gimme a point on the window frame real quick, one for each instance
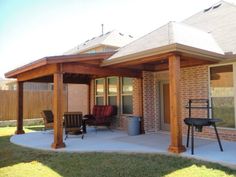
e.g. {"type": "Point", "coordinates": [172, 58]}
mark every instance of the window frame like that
{"type": "Point", "coordinates": [125, 94]}
{"type": "Point", "coordinates": [104, 91]}
{"type": "Point", "coordinates": [234, 85]}
{"type": "Point", "coordinates": [107, 93]}
{"type": "Point", "coordinates": [119, 93]}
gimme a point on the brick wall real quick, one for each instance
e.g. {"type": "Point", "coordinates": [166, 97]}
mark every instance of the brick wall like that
{"type": "Point", "coordinates": [146, 100]}
{"type": "Point", "coordinates": [194, 84]}
{"type": "Point", "coordinates": [150, 103]}
{"type": "Point", "coordinates": [137, 97]}
{"type": "Point", "coordinates": [120, 122]}
{"type": "Point", "coordinates": [151, 100]}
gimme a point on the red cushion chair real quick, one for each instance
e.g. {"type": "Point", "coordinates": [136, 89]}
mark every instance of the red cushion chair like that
{"type": "Point", "coordinates": [101, 115]}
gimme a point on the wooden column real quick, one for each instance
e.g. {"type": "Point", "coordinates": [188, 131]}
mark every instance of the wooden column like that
{"type": "Point", "coordinates": [19, 129]}
{"type": "Point", "coordinates": [58, 111]}
{"type": "Point", "coordinates": [176, 145]}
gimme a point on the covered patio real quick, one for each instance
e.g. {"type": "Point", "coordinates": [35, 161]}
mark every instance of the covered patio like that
{"type": "Point", "coordinates": [59, 70]}
{"type": "Point", "coordinates": [82, 68]}
{"type": "Point", "coordinates": [118, 141]}
{"type": "Point", "coordinates": [133, 60]}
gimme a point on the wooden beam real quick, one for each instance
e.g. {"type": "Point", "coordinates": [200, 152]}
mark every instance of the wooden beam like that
{"type": "Point", "coordinates": [186, 62]}
{"type": "Point", "coordinates": [67, 79]}
{"type": "Point", "coordinates": [99, 71]}
{"type": "Point", "coordinates": [79, 57]}
{"type": "Point", "coordinates": [57, 111]}
{"type": "Point", "coordinates": [176, 145]}
{"type": "Point", "coordinates": [145, 60]}
{"type": "Point", "coordinates": [58, 60]}
{"type": "Point", "coordinates": [19, 129]}
{"type": "Point", "coordinates": [37, 72]}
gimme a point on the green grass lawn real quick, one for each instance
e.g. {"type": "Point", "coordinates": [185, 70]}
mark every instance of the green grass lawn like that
{"type": "Point", "coordinates": [18, 161]}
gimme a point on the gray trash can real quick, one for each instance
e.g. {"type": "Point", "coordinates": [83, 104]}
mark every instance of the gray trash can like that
{"type": "Point", "coordinates": [133, 125]}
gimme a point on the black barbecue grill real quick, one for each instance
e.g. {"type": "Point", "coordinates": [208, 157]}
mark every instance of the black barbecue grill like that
{"type": "Point", "coordinates": [198, 122]}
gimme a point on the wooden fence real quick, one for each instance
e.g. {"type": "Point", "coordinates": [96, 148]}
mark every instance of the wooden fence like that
{"type": "Point", "coordinates": [34, 103]}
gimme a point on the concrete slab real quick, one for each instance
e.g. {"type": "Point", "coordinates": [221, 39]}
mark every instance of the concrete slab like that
{"type": "Point", "coordinates": [118, 141]}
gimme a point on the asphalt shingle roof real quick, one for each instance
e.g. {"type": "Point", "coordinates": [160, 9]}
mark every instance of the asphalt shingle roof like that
{"type": "Point", "coordinates": [220, 21]}
{"type": "Point", "coordinates": [213, 30]}
{"type": "Point", "coordinates": [112, 38]}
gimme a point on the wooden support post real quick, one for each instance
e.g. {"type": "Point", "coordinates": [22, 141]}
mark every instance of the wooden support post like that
{"type": "Point", "coordinates": [176, 145]}
{"type": "Point", "coordinates": [19, 129]}
{"type": "Point", "coordinates": [58, 111]}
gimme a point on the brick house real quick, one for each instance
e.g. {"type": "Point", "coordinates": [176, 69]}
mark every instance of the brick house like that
{"type": "Point", "coordinates": [154, 76]}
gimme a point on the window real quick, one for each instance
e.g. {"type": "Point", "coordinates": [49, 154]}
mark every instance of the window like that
{"type": "Point", "coordinates": [222, 94]}
{"type": "Point", "coordinates": [116, 91]}
{"type": "Point", "coordinates": [112, 83]}
{"type": "Point", "coordinates": [99, 91]}
{"type": "Point", "coordinates": [126, 95]}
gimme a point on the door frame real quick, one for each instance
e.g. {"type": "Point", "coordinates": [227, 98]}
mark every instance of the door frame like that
{"type": "Point", "coordinates": [163, 126]}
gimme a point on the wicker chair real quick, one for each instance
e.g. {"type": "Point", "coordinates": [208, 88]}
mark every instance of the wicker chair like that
{"type": "Point", "coordinates": [47, 118]}
{"type": "Point", "coordinates": [73, 123]}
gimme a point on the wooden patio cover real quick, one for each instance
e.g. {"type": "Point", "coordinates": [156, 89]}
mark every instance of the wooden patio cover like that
{"type": "Point", "coordinates": [82, 68]}
{"type": "Point", "coordinates": [78, 69]}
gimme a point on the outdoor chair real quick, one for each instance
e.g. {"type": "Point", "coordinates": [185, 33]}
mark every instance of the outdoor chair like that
{"type": "Point", "coordinates": [199, 123]}
{"type": "Point", "coordinates": [73, 123]}
{"type": "Point", "coordinates": [101, 116]}
{"type": "Point", "coordinates": [48, 119]}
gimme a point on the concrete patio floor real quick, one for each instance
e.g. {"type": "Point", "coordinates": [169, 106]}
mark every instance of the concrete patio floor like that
{"type": "Point", "coordinates": [118, 141]}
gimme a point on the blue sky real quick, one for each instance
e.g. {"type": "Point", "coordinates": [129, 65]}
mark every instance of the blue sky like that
{"type": "Point", "coordinates": [32, 29]}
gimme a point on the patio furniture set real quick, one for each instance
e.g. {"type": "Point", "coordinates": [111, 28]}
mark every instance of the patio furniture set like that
{"type": "Point", "coordinates": [75, 122]}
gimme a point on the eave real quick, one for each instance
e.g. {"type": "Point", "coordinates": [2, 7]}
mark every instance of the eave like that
{"type": "Point", "coordinates": [57, 60]}
{"type": "Point", "coordinates": [168, 49]}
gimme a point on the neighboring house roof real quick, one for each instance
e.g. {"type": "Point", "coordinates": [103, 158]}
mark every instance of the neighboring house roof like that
{"type": "Point", "coordinates": [220, 21]}
{"type": "Point", "coordinates": [112, 39]}
{"type": "Point", "coordinates": [211, 30]}
{"type": "Point", "coordinates": [169, 34]}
